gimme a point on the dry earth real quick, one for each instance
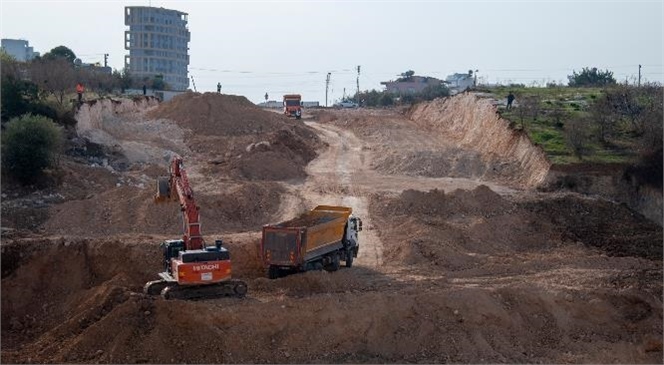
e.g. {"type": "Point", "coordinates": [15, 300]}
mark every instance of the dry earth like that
{"type": "Point", "coordinates": [460, 260]}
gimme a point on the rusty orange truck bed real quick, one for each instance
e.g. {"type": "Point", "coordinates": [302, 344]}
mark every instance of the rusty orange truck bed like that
{"type": "Point", "coordinates": [318, 239]}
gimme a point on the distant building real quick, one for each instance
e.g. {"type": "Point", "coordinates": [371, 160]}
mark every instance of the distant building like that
{"type": "Point", "coordinates": [19, 49]}
{"type": "Point", "coordinates": [410, 85]}
{"type": "Point", "coordinates": [459, 82]}
{"type": "Point", "coordinates": [158, 44]}
{"type": "Point", "coordinates": [310, 104]}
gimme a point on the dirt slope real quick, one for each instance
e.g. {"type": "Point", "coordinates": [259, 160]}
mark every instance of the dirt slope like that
{"type": "Point", "coordinates": [472, 123]}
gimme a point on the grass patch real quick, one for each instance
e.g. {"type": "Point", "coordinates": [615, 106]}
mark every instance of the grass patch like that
{"type": "Point", "coordinates": [557, 106]}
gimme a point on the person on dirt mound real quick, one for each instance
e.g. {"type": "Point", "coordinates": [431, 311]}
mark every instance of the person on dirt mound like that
{"type": "Point", "coordinates": [510, 99]}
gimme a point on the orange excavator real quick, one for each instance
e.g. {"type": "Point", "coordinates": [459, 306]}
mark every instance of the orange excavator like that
{"type": "Point", "coordinates": [192, 270]}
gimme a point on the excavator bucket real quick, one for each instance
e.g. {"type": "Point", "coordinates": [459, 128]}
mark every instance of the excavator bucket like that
{"type": "Point", "coordinates": [163, 190]}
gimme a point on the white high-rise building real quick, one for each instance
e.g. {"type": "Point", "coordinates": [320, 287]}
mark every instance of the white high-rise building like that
{"type": "Point", "coordinates": [19, 49]}
{"type": "Point", "coordinates": [158, 44]}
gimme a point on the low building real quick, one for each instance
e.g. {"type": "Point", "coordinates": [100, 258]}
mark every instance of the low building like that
{"type": "Point", "coordinates": [19, 49]}
{"type": "Point", "coordinates": [410, 85]}
{"type": "Point", "coordinates": [459, 82]}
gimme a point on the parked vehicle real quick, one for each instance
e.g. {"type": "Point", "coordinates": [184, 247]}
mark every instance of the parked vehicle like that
{"type": "Point", "coordinates": [346, 104]}
{"type": "Point", "coordinates": [319, 239]}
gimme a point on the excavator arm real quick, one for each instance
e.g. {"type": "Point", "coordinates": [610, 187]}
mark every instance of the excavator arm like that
{"type": "Point", "coordinates": [176, 188]}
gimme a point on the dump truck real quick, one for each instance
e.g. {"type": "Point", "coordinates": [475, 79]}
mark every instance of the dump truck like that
{"type": "Point", "coordinates": [316, 240]}
{"type": "Point", "coordinates": [293, 105]}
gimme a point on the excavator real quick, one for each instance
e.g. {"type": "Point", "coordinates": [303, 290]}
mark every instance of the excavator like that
{"type": "Point", "coordinates": [192, 270]}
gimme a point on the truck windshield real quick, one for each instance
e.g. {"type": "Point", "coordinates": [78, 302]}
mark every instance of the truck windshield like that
{"type": "Point", "coordinates": [292, 103]}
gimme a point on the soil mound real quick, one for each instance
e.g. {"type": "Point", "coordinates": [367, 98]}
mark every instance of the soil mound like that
{"type": "Point", "coordinates": [456, 230]}
{"type": "Point", "coordinates": [218, 114]}
{"type": "Point", "coordinates": [240, 140]}
{"type": "Point", "coordinates": [130, 209]}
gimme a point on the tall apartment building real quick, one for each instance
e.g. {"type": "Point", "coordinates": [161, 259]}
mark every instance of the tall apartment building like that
{"type": "Point", "coordinates": [158, 43]}
{"type": "Point", "coordinates": [19, 49]}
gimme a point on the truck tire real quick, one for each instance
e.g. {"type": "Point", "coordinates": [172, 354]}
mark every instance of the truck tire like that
{"type": "Point", "coordinates": [335, 264]}
{"type": "Point", "coordinates": [273, 272]}
{"type": "Point", "coordinates": [349, 258]}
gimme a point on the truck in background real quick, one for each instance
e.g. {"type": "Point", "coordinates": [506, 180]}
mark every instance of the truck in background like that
{"type": "Point", "coordinates": [293, 105]}
{"type": "Point", "coordinates": [319, 239]}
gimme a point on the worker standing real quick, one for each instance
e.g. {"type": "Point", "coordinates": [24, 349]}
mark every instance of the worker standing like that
{"type": "Point", "coordinates": [510, 99]}
{"type": "Point", "coordinates": [79, 90]}
{"type": "Point", "coordinates": [219, 87]}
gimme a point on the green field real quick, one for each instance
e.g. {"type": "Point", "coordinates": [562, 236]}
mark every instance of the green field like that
{"type": "Point", "coordinates": [557, 106]}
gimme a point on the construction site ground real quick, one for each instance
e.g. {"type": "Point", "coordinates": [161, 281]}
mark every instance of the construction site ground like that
{"type": "Point", "coordinates": [461, 258]}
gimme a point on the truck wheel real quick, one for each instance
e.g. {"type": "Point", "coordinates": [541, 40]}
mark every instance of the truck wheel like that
{"type": "Point", "coordinates": [335, 264]}
{"type": "Point", "coordinates": [273, 272]}
{"type": "Point", "coordinates": [349, 258]}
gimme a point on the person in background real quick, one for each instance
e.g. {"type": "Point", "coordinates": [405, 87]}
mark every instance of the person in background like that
{"type": "Point", "coordinates": [219, 87]}
{"type": "Point", "coordinates": [145, 90]}
{"type": "Point", "coordinates": [79, 90]}
{"type": "Point", "coordinates": [510, 99]}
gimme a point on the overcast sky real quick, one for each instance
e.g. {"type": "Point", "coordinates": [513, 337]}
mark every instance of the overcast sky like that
{"type": "Point", "coordinates": [289, 47]}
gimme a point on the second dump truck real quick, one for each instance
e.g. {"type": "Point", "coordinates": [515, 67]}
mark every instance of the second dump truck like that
{"type": "Point", "coordinates": [319, 239]}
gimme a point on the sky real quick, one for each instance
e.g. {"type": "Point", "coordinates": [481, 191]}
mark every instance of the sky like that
{"type": "Point", "coordinates": [280, 47]}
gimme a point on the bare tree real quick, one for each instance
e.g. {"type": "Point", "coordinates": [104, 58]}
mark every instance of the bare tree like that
{"type": "Point", "coordinates": [558, 114]}
{"type": "Point", "coordinates": [578, 136]}
{"type": "Point", "coordinates": [604, 117]}
{"type": "Point", "coordinates": [529, 107]}
{"type": "Point", "coordinates": [56, 77]}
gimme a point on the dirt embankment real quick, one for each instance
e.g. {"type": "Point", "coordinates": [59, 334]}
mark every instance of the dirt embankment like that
{"type": "Point", "coordinates": [472, 124]}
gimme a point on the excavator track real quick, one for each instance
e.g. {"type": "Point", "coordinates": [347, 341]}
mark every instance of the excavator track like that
{"type": "Point", "coordinates": [231, 288]}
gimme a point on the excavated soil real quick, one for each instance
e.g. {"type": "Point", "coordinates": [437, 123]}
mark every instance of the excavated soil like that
{"type": "Point", "coordinates": [456, 264]}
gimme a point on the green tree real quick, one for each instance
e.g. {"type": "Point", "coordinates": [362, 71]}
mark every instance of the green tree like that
{"type": "Point", "coordinates": [19, 96]}
{"type": "Point", "coordinates": [591, 77]}
{"type": "Point", "coordinates": [60, 52]}
{"type": "Point", "coordinates": [405, 76]}
{"type": "Point", "coordinates": [386, 100]}
{"type": "Point", "coordinates": [30, 144]}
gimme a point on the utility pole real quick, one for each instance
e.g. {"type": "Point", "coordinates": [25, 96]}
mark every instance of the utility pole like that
{"type": "Point", "coordinates": [106, 60]}
{"type": "Point", "coordinates": [639, 75]}
{"type": "Point", "coordinates": [327, 86]}
{"type": "Point", "coordinates": [358, 85]}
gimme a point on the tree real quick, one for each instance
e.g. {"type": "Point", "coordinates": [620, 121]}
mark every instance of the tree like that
{"type": "Point", "coordinates": [123, 78]}
{"type": "Point", "coordinates": [30, 144]}
{"type": "Point", "coordinates": [603, 115]}
{"type": "Point", "coordinates": [405, 76]}
{"type": "Point", "coordinates": [19, 95]}
{"type": "Point", "coordinates": [55, 76]}
{"type": "Point", "coordinates": [386, 100]}
{"type": "Point", "coordinates": [60, 52]}
{"type": "Point", "coordinates": [591, 77]}
{"type": "Point", "coordinates": [578, 136]}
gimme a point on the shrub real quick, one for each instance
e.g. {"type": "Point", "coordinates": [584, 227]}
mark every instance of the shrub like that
{"type": "Point", "coordinates": [30, 144]}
